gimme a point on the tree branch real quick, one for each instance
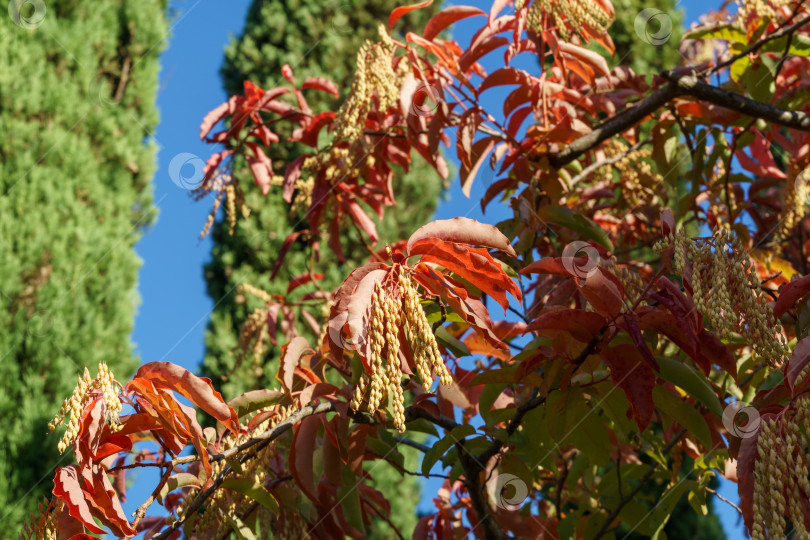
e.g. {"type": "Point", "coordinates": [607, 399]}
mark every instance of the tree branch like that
{"type": "Point", "coordinates": [260, 441]}
{"type": "Point", "coordinates": [679, 85]}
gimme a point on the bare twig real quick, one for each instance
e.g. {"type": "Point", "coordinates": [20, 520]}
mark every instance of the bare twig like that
{"type": "Point", "coordinates": [713, 492]}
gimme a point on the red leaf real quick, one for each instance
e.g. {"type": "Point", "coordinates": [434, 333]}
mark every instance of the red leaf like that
{"type": "Point", "coordinates": [790, 294]}
{"type": "Point", "coordinates": [746, 460]}
{"type": "Point", "coordinates": [290, 355]}
{"type": "Point", "coordinates": [303, 279]}
{"type": "Point", "coordinates": [602, 293]}
{"type": "Point", "coordinates": [448, 16]}
{"type": "Point", "coordinates": [212, 118]}
{"type": "Point", "coordinates": [319, 83]}
{"type": "Point", "coordinates": [67, 487]}
{"type": "Point", "coordinates": [358, 309]}
{"type": "Point", "coordinates": [798, 361]}
{"type": "Point", "coordinates": [302, 453]}
{"type": "Point", "coordinates": [582, 325]}
{"type": "Point", "coordinates": [262, 169]}
{"type": "Point", "coordinates": [309, 133]}
{"type": "Point", "coordinates": [464, 231]}
{"type": "Point", "coordinates": [633, 375]}
{"type": "Point", "coordinates": [106, 506]}
{"type": "Point", "coordinates": [197, 389]}
{"type": "Point", "coordinates": [471, 310]}
{"type": "Point", "coordinates": [362, 220]}
{"type": "Point", "coordinates": [475, 265]}
{"type": "Point", "coordinates": [478, 154]}
{"type": "Point", "coordinates": [291, 175]}
{"type": "Point", "coordinates": [400, 12]}
{"type": "Point", "coordinates": [338, 315]}
{"type": "Point", "coordinates": [285, 247]}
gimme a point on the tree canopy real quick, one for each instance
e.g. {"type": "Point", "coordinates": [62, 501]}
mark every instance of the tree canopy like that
{"type": "Point", "coordinates": [635, 329]}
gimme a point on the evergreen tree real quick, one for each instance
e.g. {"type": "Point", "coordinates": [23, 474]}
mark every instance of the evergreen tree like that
{"type": "Point", "coordinates": [78, 82]}
{"type": "Point", "coordinates": [317, 39]}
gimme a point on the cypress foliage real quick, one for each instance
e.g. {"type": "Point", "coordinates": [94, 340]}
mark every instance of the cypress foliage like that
{"type": "Point", "coordinates": [316, 38]}
{"type": "Point", "coordinates": [77, 102]}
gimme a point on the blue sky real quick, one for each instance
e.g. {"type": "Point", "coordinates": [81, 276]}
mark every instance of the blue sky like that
{"type": "Point", "coordinates": [174, 310]}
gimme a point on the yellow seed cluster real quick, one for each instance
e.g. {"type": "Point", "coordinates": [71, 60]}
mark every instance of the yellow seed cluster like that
{"type": "Point", "coordinates": [224, 186]}
{"type": "Point", "coordinates": [375, 76]}
{"type": "Point", "coordinates": [794, 201]}
{"type": "Point", "coordinates": [640, 182]}
{"type": "Point", "coordinates": [631, 281]}
{"type": "Point", "coordinates": [570, 16]}
{"type": "Point", "coordinates": [781, 475]}
{"type": "Point", "coordinates": [254, 331]}
{"type": "Point", "coordinates": [73, 407]}
{"type": "Point", "coordinates": [760, 9]}
{"type": "Point", "coordinates": [224, 502]}
{"type": "Point", "coordinates": [389, 312]}
{"type": "Point", "coordinates": [728, 292]}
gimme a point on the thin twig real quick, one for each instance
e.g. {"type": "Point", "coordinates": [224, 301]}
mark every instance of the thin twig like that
{"type": "Point", "coordinates": [713, 492]}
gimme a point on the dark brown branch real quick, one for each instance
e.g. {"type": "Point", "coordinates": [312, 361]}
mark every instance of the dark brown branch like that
{"type": "Point", "coordinates": [413, 444]}
{"type": "Point", "coordinates": [679, 85]}
{"type": "Point", "coordinates": [472, 472]}
{"type": "Point", "coordinates": [619, 123]}
{"type": "Point", "coordinates": [691, 85]}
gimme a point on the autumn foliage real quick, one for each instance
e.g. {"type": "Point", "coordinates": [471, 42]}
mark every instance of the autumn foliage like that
{"type": "Point", "coordinates": [657, 246]}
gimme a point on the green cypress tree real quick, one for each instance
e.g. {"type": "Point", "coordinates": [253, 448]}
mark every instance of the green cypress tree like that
{"type": "Point", "coordinates": [78, 82]}
{"type": "Point", "coordinates": [317, 39]}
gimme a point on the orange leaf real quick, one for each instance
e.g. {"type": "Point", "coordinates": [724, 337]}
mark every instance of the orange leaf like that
{"type": "Point", "coordinates": [400, 12]}
{"type": "Point", "coordinates": [464, 231]}
{"type": "Point", "coordinates": [475, 265]}
{"type": "Point", "coordinates": [302, 454]}
{"type": "Point", "coordinates": [66, 487]}
{"type": "Point", "coordinates": [635, 377]}
{"type": "Point", "coordinates": [198, 389]}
